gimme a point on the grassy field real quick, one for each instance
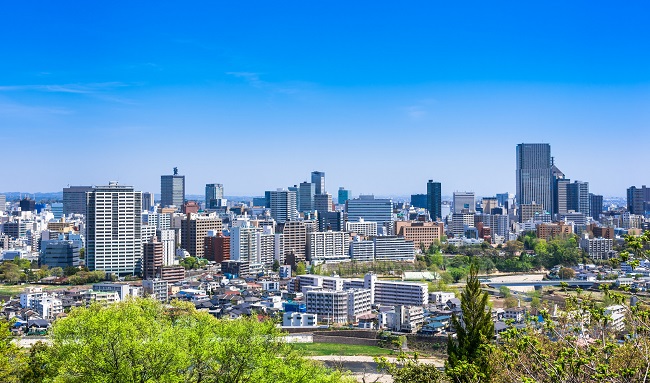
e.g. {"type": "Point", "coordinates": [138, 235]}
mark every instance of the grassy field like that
{"type": "Point", "coordinates": [320, 349]}
{"type": "Point", "coordinates": [15, 290]}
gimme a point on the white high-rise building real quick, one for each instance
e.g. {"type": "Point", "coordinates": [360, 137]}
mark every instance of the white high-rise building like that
{"type": "Point", "coordinates": [328, 246]}
{"type": "Point", "coordinates": [113, 236]}
{"type": "Point", "coordinates": [362, 227]}
{"type": "Point", "coordinates": [168, 239]}
{"type": "Point", "coordinates": [464, 202]}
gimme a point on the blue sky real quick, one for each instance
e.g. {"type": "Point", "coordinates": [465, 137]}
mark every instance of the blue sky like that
{"type": "Point", "coordinates": [382, 97]}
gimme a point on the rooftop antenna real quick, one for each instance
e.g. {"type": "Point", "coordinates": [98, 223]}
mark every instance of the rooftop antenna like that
{"type": "Point", "coordinates": [175, 171]}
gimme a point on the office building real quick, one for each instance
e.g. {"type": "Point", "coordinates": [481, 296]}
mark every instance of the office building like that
{"type": "Point", "coordinates": [464, 202]}
{"type": "Point", "coordinates": [57, 210]}
{"type": "Point", "coordinates": [419, 201]}
{"type": "Point", "coordinates": [549, 231]}
{"type": "Point", "coordinates": [74, 199]}
{"type": "Point", "coordinates": [59, 253]}
{"type": "Point", "coordinates": [328, 247]}
{"type": "Point", "coordinates": [578, 197]}
{"type": "Point", "coordinates": [460, 222]}
{"type": "Point", "coordinates": [194, 229]}
{"type": "Point", "coordinates": [318, 179]}
{"type": "Point", "coordinates": [3, 203]}
{"type": "Point", "coordinates": [420, 233]}
{"type": "Point", "coordinates": [213, 196]}
{"type": "Point", "coordinates": [147, 201]}
{"type": "Point", "coordinates": [113, 235]}
{"type": "Point", "coordinates": [561, 196]}
{"type": "Point", "coordinates": [323, 203]}
{"type": "Point", "coordinates": [331, 220]}
{"type": "Point", "coordinates": [434, 200]}
{"type": "Point", "coordinates": [283, 205]}
{"type": "Point", "coordinates": [533, 173]}
{"type": "Point", "coordinates": [595, 206]}
{"type": "Point", "coordinates": [306, 192]}
{"type": "Point", "coordinates": [370, 209]}
{"type": "Point", "coordinates": [638, 200]}
{"type": "Point", "coordinates": [27, 204]}
{"type": "Point", "coordinates": [172, 190]}
{"type": "Point", "coordinates": [343, 196]}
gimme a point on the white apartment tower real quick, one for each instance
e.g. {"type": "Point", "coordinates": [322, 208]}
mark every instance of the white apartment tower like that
{"type": "Point", "coordinates": [113, 236]}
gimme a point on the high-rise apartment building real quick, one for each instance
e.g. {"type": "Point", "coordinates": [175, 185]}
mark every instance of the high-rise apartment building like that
{"type": "Point", "coordinates": [213, 195]}
{"type": "Point", "coordinates": [74, 199]}
{"type": "Point", "coordinates": [306, 192]}
{"type": "Point", "coordinates": [434, 200]}
{"type": "Point", "coordinates": [328, 246]}
{"type": "Point", "coordinates": [464, 202]}
{"type": "Point", "coordinates": [343, 196]}
{"type": "Point", "coordinates": [194, 229]}
{"type": "Point", "coordinates": [283, 205]}
{"type": "Point", "coordinates": [534, 167]}
{"type": "Point", "coordinates": [113, 233]}
{"type": "Point", "coordinates": [318, 179]}
{"type": "Point", "coordinates": [152, 258]}
{"type": "Point", "coordinates": [172, 190]}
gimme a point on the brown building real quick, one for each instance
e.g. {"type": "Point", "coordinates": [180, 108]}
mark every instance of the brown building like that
{"type": "Point", "coordinates": [190, 207]}
{"type": "Point", "coordinates": [194, 229]}
{"type": "Point", "coordinates": [61, 226]}
{"type": "Point", "coordinates": [549, 230]}
{"type": "Point", "coordinates": [603, 232]}
{"type": "Point", "coordinates": [424, 233]}
{"type": "Point", "coordinates": [217, 248]}
{"type": "Point", "coordinates": [294, 237]}
{"type": "Point", "coordinates": [152, 259]}
{"type": "Point", "coordinates": [529, 211]}
{"type": "Point", "coordinates": [172, 274]}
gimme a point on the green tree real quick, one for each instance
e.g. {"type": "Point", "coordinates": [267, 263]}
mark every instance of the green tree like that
{"type": "Point", "coordinates": [10, 272]}
{"type": "Point", "coordinates": [566, 273]}
{"type": "Point", "coordinates": [276, 265]}
{"type": "Point", "coordinates": [142, 341]}
{"type": "Point", "coordinates": [504, 291]}
{"type": "Point", "coordinates": [301, 268]}
{"type": "Point", "coordinates": [468, 353]}
{"type": "Point", "coordinates": [11, 358]}
{"type": "Point", "coordinates": [457, 273]}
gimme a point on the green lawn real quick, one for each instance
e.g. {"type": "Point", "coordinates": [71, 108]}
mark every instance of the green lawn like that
{"type": "Point", "coordinates": [15, 290]}
{"type": "Point", "coordinates": [320, 349]}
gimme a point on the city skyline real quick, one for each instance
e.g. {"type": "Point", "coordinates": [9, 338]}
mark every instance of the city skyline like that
{"type": "Point", "coordinates": [104, 86]}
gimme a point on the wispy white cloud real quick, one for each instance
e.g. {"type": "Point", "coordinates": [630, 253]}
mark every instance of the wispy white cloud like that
{"type": "Point", "coordinates": [419, 110]}
{"type": "Point", "coordinates": [89, 88]}
{"type": "Point", "coordinates": [254, 79]}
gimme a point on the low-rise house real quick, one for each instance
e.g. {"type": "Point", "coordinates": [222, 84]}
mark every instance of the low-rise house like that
{"type": "Point", "coordinates": [516, 314]}
{"type": "Point", "coordinates": [294, 319]}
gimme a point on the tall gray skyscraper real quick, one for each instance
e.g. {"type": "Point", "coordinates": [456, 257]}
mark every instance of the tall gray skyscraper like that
{"type": "Point", "coordinates": [147, 201]}
{"type": "Point", "coordinates": [306, 192]}
{"type": "Point", "coordinates": [283, 205]}
{"type": "Point", "coordinates": [113, 224]}
{"type": "Point", "coordinates": [578, 197]}
{"type": "Point", "coordinates": [318, 179]}
{"type": "Point", "coordinates": [464, 202]}
{"type": "Point", "coordinates": [213, 192]}
{"type": "Point", "coordinates": [534, 178]}
{"type": "Point", "coordinates": [434, 200]}
{"type": "Point", "coordinates": [74, 199]}
{"type": "Point", "coordinates": [172, 190]}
